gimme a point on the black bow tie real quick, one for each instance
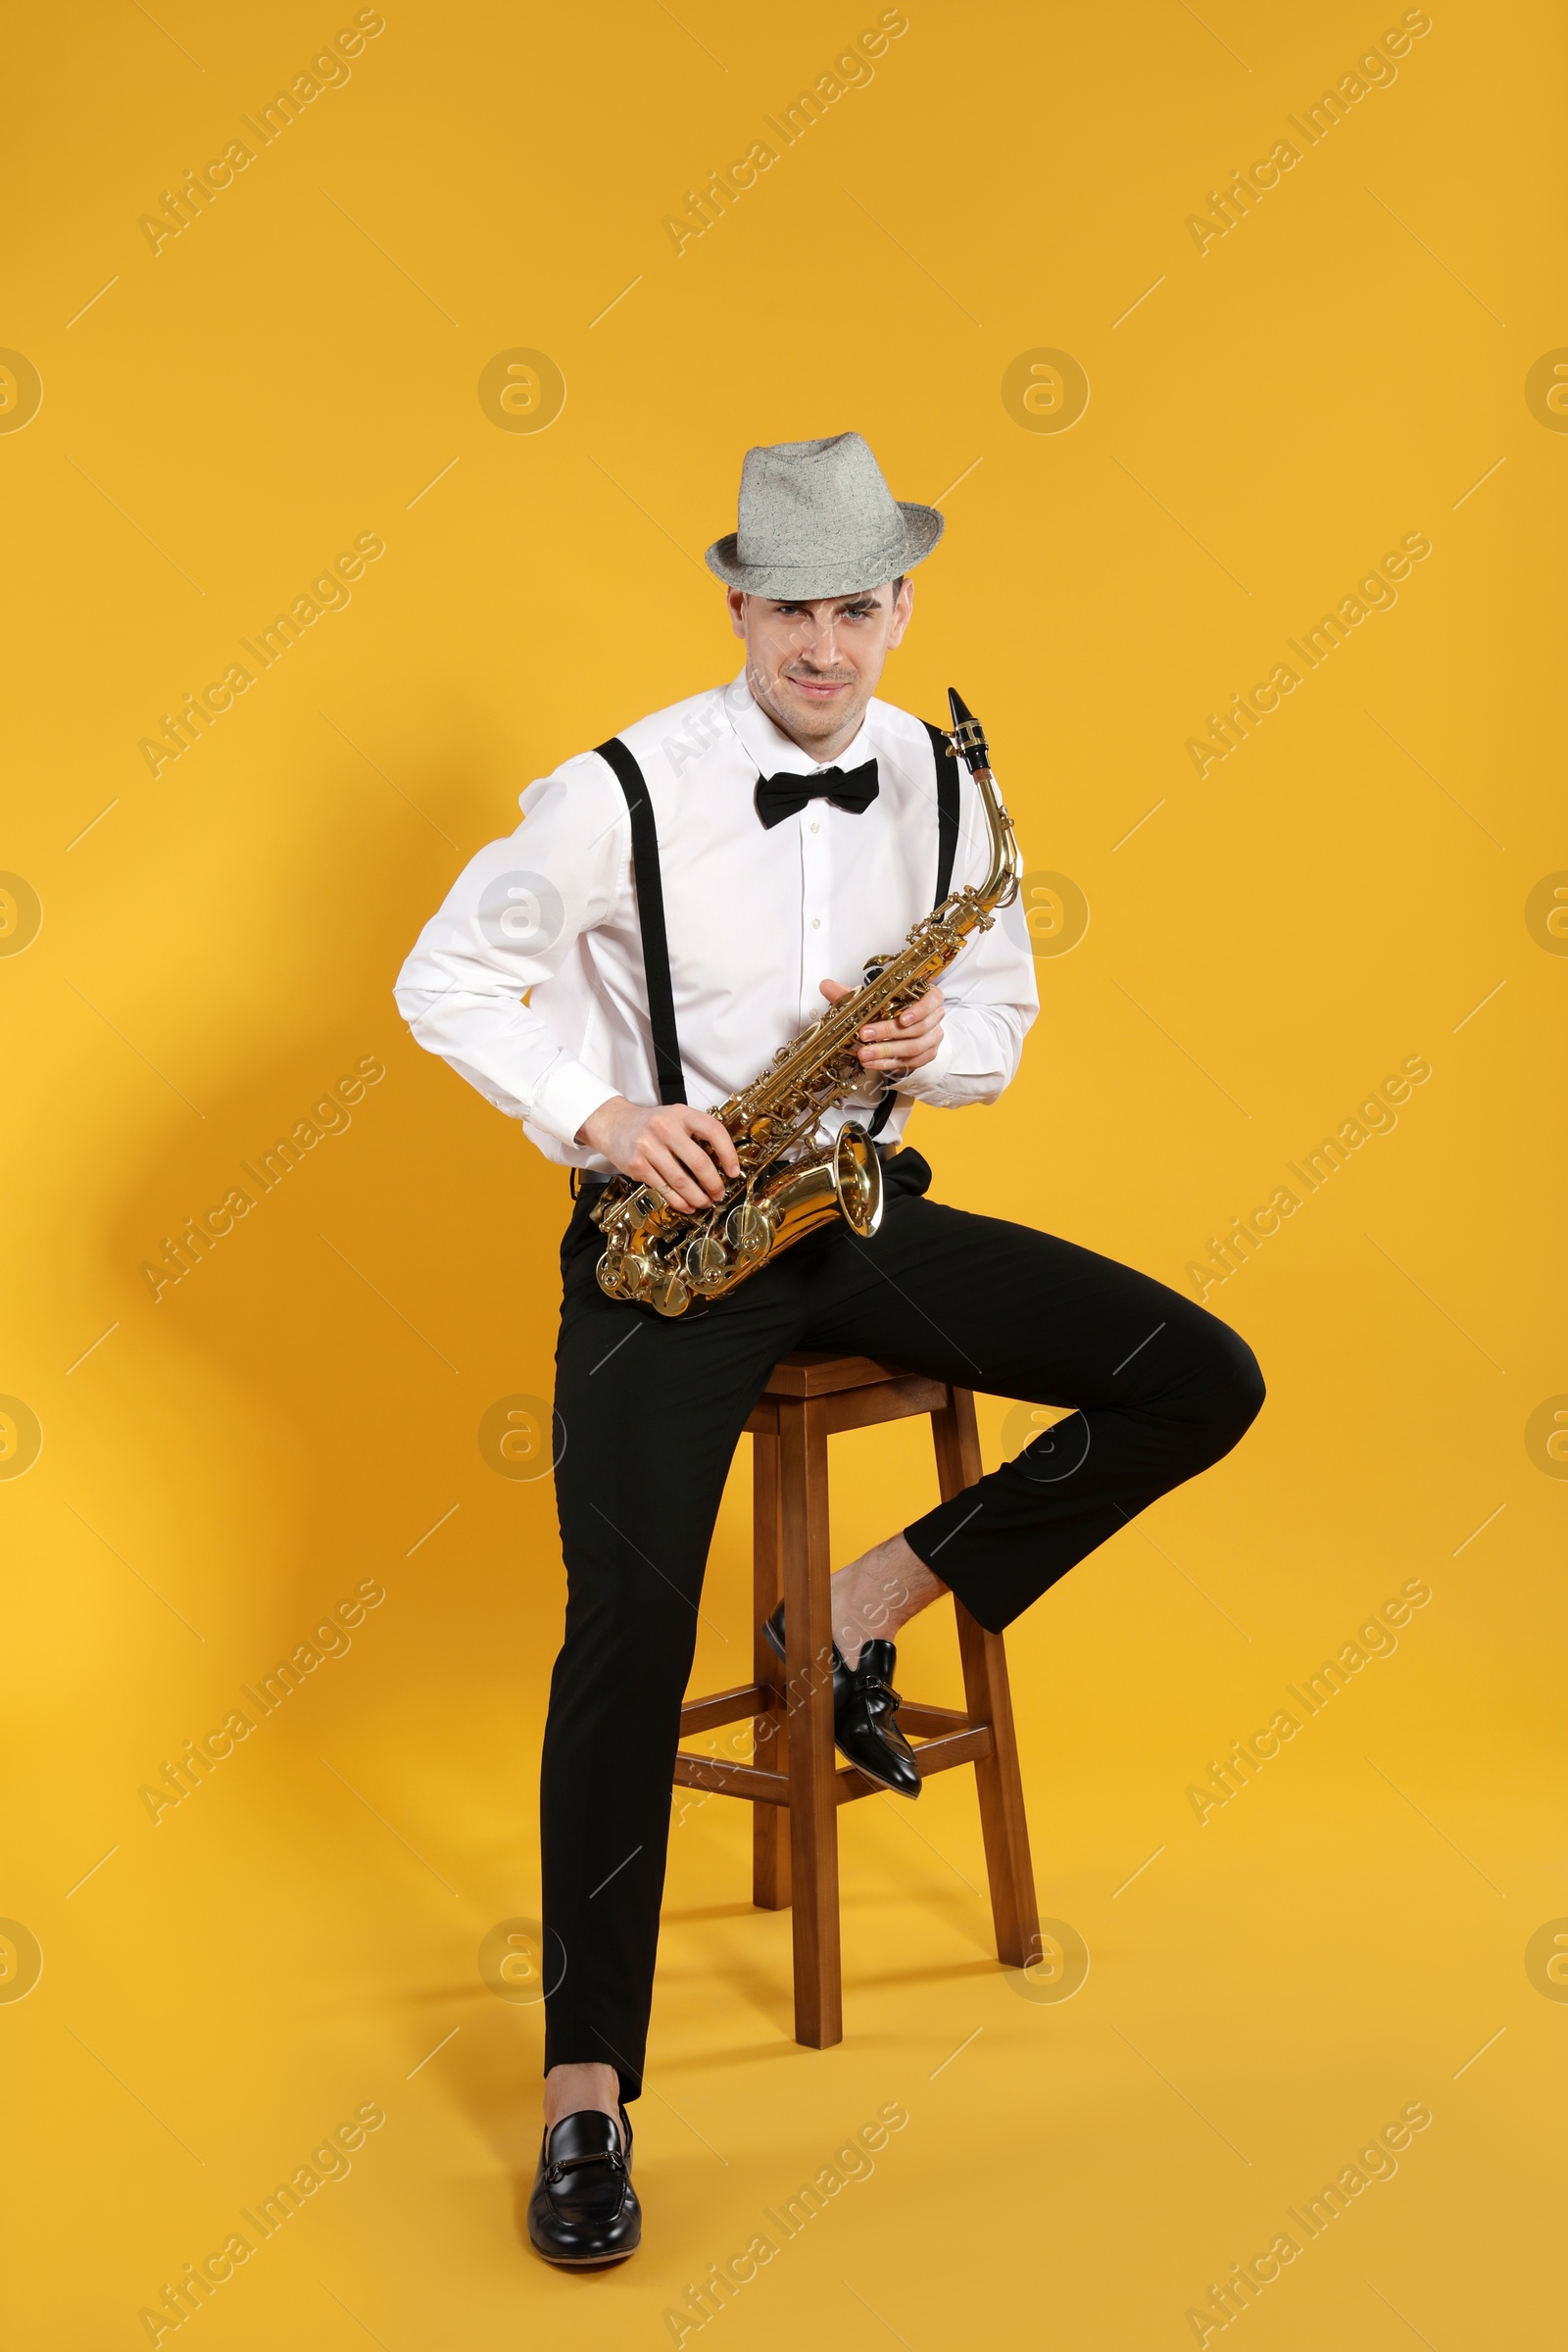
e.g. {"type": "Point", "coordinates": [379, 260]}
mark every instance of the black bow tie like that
{"type": "Point", "coordinates": [779, 797]}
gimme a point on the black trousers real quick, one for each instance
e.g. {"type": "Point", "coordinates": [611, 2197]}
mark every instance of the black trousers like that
{"type": "Point", "coordinates": [650, 1412]}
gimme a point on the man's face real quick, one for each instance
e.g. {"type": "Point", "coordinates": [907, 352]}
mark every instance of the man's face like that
{"type": "Point", "coordinates": [814, 666]}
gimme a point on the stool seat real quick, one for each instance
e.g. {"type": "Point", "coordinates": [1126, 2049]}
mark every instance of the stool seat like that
{"type": "Point", "coordinates": [809, 1396]}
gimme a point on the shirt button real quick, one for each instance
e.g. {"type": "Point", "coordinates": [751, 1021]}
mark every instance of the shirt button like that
{"type": "Point", "coordinates": [816, 827]}
{"type": "Point", "coordinates": [817, 923]}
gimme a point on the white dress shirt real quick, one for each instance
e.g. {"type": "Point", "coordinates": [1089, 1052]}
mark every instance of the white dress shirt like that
{"type": "Point", "coordinates": [756, 919]}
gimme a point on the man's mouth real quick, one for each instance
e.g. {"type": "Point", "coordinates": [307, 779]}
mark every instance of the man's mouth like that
{"type": "Point", "coordinates": [817, 690]}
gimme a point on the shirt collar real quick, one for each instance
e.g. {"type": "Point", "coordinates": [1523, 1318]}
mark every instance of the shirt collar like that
{"type": "Point", "coordinates": [771, 749]}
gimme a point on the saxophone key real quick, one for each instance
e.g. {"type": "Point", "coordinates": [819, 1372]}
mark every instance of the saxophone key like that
{"type": "Point", "coordinates": [749, 1231]}
{"type": "Point", "coordinates": [708, 1262]}
{"type": "Point", "coordinates": [667, 1292]}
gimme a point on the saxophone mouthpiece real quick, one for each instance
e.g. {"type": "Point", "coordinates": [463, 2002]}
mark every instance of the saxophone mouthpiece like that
{"type": "Point", "coordinates": [967, 735]}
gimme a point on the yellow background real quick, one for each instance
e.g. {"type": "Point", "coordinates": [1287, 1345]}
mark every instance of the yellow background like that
{"type": "Point", "coordinates": [292, 371]}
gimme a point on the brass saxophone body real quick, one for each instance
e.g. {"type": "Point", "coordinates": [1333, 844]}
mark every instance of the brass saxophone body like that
{"type": "Point", "coordinates": [665, 1257]}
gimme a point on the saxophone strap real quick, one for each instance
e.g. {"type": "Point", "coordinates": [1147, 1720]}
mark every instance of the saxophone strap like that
{"type": "Point", "coordinates": [651, 920]}
{"type": "Point", "coordinates": [651, 902]}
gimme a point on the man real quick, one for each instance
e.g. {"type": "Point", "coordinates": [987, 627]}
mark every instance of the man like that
{"type": "Point", "coordinates": [676, 906]}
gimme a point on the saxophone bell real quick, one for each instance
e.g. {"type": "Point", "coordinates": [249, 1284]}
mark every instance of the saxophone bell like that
{"type": "Point", "coordinates": [842, 1179]}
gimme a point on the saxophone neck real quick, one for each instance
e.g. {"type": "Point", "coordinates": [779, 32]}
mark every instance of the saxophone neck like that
{"type": "Point", "coordinates": [1001, 886]}
{"type": "Point", "coordinates": [967, 738]}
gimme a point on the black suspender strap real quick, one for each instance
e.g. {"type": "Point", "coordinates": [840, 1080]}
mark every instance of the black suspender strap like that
{"type": "Point", "coordinates": [651, 920]}
{"type": "Point", "coordinates": [946, 852]}
{"type": "Point", "coordinates": [947, 809]}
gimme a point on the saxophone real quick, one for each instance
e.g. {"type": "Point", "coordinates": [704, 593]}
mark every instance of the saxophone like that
{"type": "Point", "coordinates": [665, 1257]}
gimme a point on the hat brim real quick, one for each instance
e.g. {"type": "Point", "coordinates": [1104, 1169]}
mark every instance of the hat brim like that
{"type": "Point", "coordinates": [788, 583]}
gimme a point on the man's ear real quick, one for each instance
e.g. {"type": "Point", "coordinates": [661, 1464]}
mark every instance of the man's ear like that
{"type": "Point", "coordinates": [903, 607]}
{"type": "Point", "coordinates": [735, 598]}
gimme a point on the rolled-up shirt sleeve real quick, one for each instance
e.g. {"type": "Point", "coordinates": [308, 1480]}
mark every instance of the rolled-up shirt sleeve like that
{"type": "Point", "coordinates": [509, 921]}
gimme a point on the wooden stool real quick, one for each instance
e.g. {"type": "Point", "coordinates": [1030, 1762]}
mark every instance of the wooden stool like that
{"type": "Point", "coordinates": [794, 1830]}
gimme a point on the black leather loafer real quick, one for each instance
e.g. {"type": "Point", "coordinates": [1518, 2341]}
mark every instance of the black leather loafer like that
{"type": "Point", "coordinates": [865, 1710]}
{"type": "Point", "coordinates": [583, 2208]}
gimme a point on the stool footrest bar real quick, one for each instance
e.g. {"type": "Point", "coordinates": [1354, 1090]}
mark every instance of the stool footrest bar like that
{"type": "Point", "coordinates": [711, 1714]}
{"type": "Point", "coordinates": [959, 1741]}
{"type": "Point", "coordinates": [932, 1756]}
{"type": "Point", "coordinates": [929, 1723]}
{"type": "Point", "coordinates": [724, 1706]}
{"type": "Point", "coordinates": [731, 1779]}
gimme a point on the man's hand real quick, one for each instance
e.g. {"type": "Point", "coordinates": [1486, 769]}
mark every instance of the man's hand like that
{"type": "Point", "coordinates": [672, 1149]}
{"type": "Point", "coordinates": [898, 1047]}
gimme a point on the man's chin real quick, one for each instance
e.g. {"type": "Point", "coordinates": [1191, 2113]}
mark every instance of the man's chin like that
{"type": "Point", "coordinates": [816, 714]}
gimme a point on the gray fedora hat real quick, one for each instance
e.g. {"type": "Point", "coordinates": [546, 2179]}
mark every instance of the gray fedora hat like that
{"type": "Point", "coordinates": [816, 518]}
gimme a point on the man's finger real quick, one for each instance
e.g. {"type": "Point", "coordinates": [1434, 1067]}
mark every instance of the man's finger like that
{"type": "Point", "coordinates": [907, 1054]}
{"type": "Point", "coordinates": [925, 1012]}
{"type": "Point", "coordinates": [897, 1062]}
{"type": "Point", "coordinates": [671, 1177]}
{"type": "Point", "coordinates": [678, 1123]}
{"type": "Point", "coordinates": [907, 1025]}
{"type": "Point", "coordinates": [717, 1137]}
{"type": "Point", "coordinates": [886, 1034]}
{"type": "Point", "coordinates": [689, 1151]}
{"type": "Point", "coordinates": [713, 1141]}
{"type": "Point", "coordinates": [670, 1172]}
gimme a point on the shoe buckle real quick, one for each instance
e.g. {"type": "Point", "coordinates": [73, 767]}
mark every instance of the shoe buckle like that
{"type": "Point", "coordinates": [559, 2166]}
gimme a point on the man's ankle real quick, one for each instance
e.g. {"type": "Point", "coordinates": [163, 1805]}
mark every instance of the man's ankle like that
{"type": "Point", "coordinates": [875, 1597]}
{"type": "Point", "coordinates": [578, 2089]}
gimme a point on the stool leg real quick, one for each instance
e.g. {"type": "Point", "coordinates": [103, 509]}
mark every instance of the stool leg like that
{"type": "Point", "coordinates": [770, 1738]}
{"type": "Point", "coordinates": [988, 1696]}
{"type": "Point", "coordinates": [813, 1789]}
